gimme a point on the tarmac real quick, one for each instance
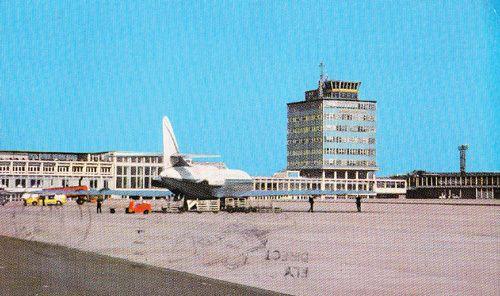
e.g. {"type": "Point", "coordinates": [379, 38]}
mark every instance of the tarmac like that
{"type": "Point", "coordinates": [400, 247]}
{"type": "Point", "coordinates": [34, 268]}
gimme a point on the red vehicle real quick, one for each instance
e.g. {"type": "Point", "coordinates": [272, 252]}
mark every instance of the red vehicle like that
{"type": "Point", "coordinates": [138, 208]}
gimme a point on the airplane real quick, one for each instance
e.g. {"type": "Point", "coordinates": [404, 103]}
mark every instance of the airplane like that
{"type": "Point", "coordinates": [189, 180]}
{"type": "Point", "coordinates": [186, 179]}
{"type": "Point", "coordinates": [196, 181]}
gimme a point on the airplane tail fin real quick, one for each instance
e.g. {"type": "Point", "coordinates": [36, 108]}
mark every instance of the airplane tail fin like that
{"type": "Point", "coordinates": [170, 147]}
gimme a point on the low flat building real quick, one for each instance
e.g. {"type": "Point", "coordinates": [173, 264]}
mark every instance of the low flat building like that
{"type": "Point", "coordinates": [292, 180]}
{"type": "Point", "coordinates": [390, 188]}
{"type": "Point", "coordinates": [26, 170]}
{"type": "Point", "coordinates": [470, 185]}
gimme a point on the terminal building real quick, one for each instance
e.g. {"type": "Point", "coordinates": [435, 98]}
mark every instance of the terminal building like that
{"type": "Point", "coordinates": [463, 184]}
{"type": "Point", "coordinates": [332, 135]}
{"type": "Point", "coordinates": [21, 170]}
{"type": "Point", "coordinates": [468, 185]}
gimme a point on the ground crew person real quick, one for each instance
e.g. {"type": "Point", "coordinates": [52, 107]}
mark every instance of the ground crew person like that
{"type": "Point", "coordinates": [99, 205]}
{"type": "Point", "coordinates": [311, 204]}
{"type": "Point", "coordinates": [358, 203]}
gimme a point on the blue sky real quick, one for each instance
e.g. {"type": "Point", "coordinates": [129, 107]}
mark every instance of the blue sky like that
{"type": "Point", "coordinates": [82, 77]}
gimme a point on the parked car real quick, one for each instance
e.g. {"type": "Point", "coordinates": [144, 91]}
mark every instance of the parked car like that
{"type": "Point", "coordinates": [35, 199]}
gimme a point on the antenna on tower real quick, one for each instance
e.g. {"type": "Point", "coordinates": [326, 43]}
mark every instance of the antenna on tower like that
{"type": "Point", "coordinates": [322, 79]}
{"type": "Point", "coordinates": [463, 157]}
{"type": "Point", "coordinates": [322, 71]}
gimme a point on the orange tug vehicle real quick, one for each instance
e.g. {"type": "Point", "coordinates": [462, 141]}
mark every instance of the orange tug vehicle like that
{"type": "Point", "coordinates": [144, 208]}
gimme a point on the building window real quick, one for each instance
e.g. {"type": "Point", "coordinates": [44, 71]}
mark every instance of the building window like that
{"type": "Point", "coordinates": [93, 184]}
{"type": "Point", "coordinates": [63, 169]}
{"type": "Point", "coordinates": [20, 183]}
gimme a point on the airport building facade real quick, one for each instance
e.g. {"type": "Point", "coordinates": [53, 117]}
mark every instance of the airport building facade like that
{"type": "Point", "coordinates": [332, 136]}
{"type": "Point", "coordinates": [467, 185]}
{"type": "Point", "coordinates": [22, 170]}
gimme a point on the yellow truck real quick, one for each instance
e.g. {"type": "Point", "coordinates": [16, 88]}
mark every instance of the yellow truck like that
{"type": "Point", "coordinates": [35, 199]}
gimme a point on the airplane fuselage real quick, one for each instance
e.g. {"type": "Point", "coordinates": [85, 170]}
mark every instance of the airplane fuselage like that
{"type": "Point", "coordinates": [203, 181]}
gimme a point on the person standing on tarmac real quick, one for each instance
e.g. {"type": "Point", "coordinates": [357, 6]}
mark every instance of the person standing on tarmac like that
{"type": "Point", "coordinates": [99, 205]}
{"type": "Point", "coordinates": [358, 203]}
{"type": "Point", "coordinates": [311, 204]}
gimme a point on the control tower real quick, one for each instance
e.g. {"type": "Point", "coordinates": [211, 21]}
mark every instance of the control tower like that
{"type": "Point", "coordinates": [331, 133]}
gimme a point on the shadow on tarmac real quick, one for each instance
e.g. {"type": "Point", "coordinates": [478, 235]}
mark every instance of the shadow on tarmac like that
{"type": "Point", "coordinates": [35, 268]}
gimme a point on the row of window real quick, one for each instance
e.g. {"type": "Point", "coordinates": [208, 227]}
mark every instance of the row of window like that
{"type": "Point", "coordinates": [135, 182]}
{"type": "Point", "coordinates": [347, 116]}
{"type": "Point", "coordinates": [140, 159]}
{"type": "Point", "coordinates": [344, 162]}
{"type": "Point", "coordinates": [350, 105]}
{"type": "Point", "coordinates": [75, 169]}
{"type": "Point", "coordinates": [304, 118]}
{"type": "Point", "coordinates": [355, 128]}
{"type": "Point", "coordinates": [304, 129]}
{"type": "Point", "coordinates": [391, 184]}
{"type": "Point", "coordinates": [350, 140]}
{"type": "Point", "coordinates": [305, 140]}
{"type": "Point", "coordinates": [308, 185]}
{"type": "Point", "coordinates": [305, 163]}
{"type": "Point", "coordinates": [341, 151]}
{"type": "Point", "coordinates": [343, 95]}
{"type": "Point", "coordinates": [349, 151]}
{"type": "Point", "coordinates": [331, 162]}
{"type": "Point", "coordinates": [332, 116]}
{"type": "Point", "coordinates": [124, 170]}
{"type": "Point", "coordinates": [456, 181]}
{"type": "Point", "coordinates": [304, 152]}
{"type": "Point", "coordinates": [39, 183]}
{"type": "Point", "coordinates": [332, 140]}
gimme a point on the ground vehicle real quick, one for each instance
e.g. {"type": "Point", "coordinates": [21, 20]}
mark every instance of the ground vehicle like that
{"type": "Point", "coordinates": [35, 199]}
{"type": "Point", "coordinates": [237, 205]}
{"type": "Point", "coordinates": [143, 207]}
{"type": "Point", "coordinates": [30, 199]}
{"type": "Point", "coordinates": [80, 199]}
